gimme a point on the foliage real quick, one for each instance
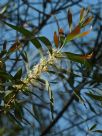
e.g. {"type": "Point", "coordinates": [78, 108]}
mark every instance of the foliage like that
{"type": "Point", "coordinates": [18, 87]}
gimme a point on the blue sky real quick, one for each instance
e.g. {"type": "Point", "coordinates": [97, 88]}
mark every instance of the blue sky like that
{"type": "Point", "coordinates": [49, 30]}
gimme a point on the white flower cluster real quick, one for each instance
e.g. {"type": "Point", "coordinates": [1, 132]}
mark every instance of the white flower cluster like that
{"type": "Point", "coordinates": [42, 67]}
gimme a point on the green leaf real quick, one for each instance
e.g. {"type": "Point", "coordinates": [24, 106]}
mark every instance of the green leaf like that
{"type": "Point", "coordinates": [36, 113]}
{"type": "Point", "coordinates": [13, 119]}
{"type": "Point", "coordinates": [62, 38]}
{"type": "Point", "coordinates": [37, 44]}
{"type": "Point", "coordinates": [95, 97]}
{"type": "Point", "coordinates": [24, 56]}
{"type": "Point", "coordinates": [73, 34]}
{"type": "Point", "coordinates": [84, 33]}
{"type": "Point", "coordinates": [51, 97]}
{"type": "Point", "coordinates": [93, 127]}
{"type": "Point", "coordinates": [71, 78]}
{"type": "Point", "coordinates": [91, 107]}
{"type": "Point", "coordinates": [76, 34]}
{"type": "Point", "coordinates": [27, 34]}
{"type": "Point", "coordinates": [87, 21]}
{"type": "Point", "coordinates": [82, 14]}
{"type": "Point", "coordinates": [3, 9]}
{"type": "Point", "coordinates": [8, 95]}
{"type": "Point", "coordinates": [46, 42]}
{"type": "Point", "coordinates": [76, 58]}
{"type": "Point", "coordinates": [18, 111]}
{"type": "Point", "coordinates": [5, 76]}
{"type": "Point", "coordinates": [18, 75]}
{"type": "Point", "coordinates": [20, 29]}
{"type": "Point", "coordinates": [98, 131]}
{"type": "Point", "coordinates": [97, 77]}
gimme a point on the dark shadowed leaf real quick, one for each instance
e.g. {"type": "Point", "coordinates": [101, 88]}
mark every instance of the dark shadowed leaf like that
{"type": "Point", "coordinates": [6, 76]}
{"type": "Point", "coordinates": [8, 96]}
{"type": "Point", "coordinates": [13, 119]}
{"type": "Point", "coordinates": [90, 106]}
{"type": "Point", "coordinates": [27, 34]}
{"type": "Point", "coordinates": [70, 20]}
{"type": "Point", "coordinates": [36, 113]}
{"type": "Point", "coordinates": [18, 75]}
{"type": "Point", "coordinates": [46, 42]}
{"type": "Point", "coordinates": [24, 56]}
{"type": "Point", "coordinates": [95, 97]}
{"type": "Point", "coordinates": [98, 131]}
{"type": "Point", "coordinates": [4, 45]}
{"type": "Point", "coordinates": [18, 112]}
{"type": "Point", "coordinates": [71, 78]}
{"type": "Point", "coordinates": [36, 43]}
{"type": "Point", "coordinates": [20, 29]}
{"type": "Point", "coordinates": [93, 127]}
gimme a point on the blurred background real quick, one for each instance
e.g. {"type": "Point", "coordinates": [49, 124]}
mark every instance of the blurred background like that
{"type": "Point", "coordinates": [33, 115]}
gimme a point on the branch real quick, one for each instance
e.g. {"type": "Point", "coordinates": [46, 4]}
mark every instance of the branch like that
{"type": "Point", "coordinates": [77, 89]}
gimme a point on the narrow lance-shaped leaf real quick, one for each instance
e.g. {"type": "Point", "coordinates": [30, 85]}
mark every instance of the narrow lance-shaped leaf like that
{"type": "Point", "coordinates": [37, 44]}
{"type": "Point", "coordinates": [87, 56]}
{"type": "Point", "coordinates": [18, 74]}
{"type": "Point", "coordinates": [5, 75]}
{"type": "Point", "coordinates": [4, 45]}
{"type": "Point", "coordinates": [1, 64]}
{"type": "Point", "coordinates": [20, 29]}
{"type": "Point", "coordinates": [95, 97]}
{"type": "Point", "coordinates": [73, 34]}
{"type": "Point", "coordinates": [24, 56]}
{"type": "Point", "coordinates": [93, 127]}
{"type": "Point", "coordinates": [46, 42]}
{"type": "Point", "coordinates": [35, 110]}
{"type": "Point", "coordinates": [98, 131]}
{"type": "Point", "coordinates": [82, 14]}
{"type": "Point", "coordinates": [86, 12]}
{"type": "Point", "coordinates": [71, 78]}
{"type": "Point", "coordinates": [51, 97]}
{"type": "Point", "coordinates": [77, 58]}
{"type": "Point", "coordinates": [15, 46]}
{"type": "Point", "coordinates": [56, 39]}
{"type": "Point", "coordinates": [61, 36]}
{"type": "Point", "coordinates": [70, 20]}
{"type": "Point", "coordinates": [87, 21]}
{"type": "Point", "coordinates": [18, 111]}
{"type": "Point", "coordinates": [3, 9]}
{"type": "Point", "coordinates": [27, 34]}
{"type": "Point", "coordinates": [90, 106]}
{"type": "Point", "coordinates": [84, 33]}
{"type": "Point", "coordinates": [76, 34]}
